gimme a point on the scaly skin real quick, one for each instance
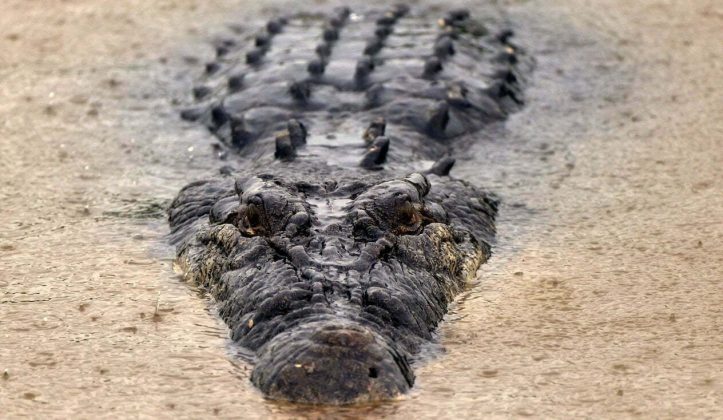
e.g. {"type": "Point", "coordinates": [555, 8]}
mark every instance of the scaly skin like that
{"type": "Point", "coordinates": [331, 254]}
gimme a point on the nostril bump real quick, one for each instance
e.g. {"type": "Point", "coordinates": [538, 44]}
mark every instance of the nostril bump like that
{"type": "Point", "coordinates": [351, 363]}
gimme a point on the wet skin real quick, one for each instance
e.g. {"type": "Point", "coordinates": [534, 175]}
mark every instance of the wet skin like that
{"type": "Point", "coordinates": [333, 300]}
{"type": "Point", "coordinates": [335, 274]}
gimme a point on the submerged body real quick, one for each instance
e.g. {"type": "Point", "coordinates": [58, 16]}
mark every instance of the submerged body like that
{"type": "Point", "coordinates": [334, 253]}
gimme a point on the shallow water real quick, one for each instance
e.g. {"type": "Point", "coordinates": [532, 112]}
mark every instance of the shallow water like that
{"type": "Point", "coordinates": [604, 296]}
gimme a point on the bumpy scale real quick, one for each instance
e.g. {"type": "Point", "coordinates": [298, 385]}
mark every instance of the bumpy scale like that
{"type": "Point", "coordinates": [333, 253]}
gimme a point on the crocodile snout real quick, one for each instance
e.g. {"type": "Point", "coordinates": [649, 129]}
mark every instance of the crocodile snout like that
{"type": "Point", "coordinates": [331, 363]}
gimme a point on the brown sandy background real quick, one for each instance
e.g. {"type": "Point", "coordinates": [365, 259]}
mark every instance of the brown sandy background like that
{"type": "Point", "coordinates": [604, 299]}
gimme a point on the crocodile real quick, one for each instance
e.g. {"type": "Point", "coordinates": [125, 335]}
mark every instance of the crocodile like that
{"type": "Point", "coordinates": [335, 248]}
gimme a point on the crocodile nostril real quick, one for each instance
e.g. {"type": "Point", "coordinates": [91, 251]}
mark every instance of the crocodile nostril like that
{"type": "Point", "coordinates": [331, 363]}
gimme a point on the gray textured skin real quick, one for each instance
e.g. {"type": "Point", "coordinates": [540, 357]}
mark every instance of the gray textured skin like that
{"type": "Point", "coordinates": [331, 256]}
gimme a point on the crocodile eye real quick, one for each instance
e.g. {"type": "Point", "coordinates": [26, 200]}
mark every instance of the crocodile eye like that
{"type": "Point", "coordinates": [396, 206]}
{"type": "Point", "coordinates": [408, 219]}
{"type": "Point", "coordinates": [253, 220]}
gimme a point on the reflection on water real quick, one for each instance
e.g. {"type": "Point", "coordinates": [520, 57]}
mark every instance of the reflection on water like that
{"type": "Point", "coordinates": [603, 297]}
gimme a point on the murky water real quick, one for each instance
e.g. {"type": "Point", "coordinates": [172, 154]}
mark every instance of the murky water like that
{"type": "Point", "coordinates": [604, 297]}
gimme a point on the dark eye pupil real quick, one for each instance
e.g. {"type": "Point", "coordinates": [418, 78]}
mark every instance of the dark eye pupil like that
{"type": "Point", "coordinates": [253, 217]}
{"type": "Point", "coordinates": [408, 215]}
{"type": "Point", "coordinates": [253, 220]}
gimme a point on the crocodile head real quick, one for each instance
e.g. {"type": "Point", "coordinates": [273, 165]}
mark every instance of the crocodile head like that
{"type": "Point", "coordinates": [335, 283]}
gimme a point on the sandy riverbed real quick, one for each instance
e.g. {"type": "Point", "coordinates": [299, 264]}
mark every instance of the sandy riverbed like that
{"type": "Point", "coordinates": [604, 298]}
